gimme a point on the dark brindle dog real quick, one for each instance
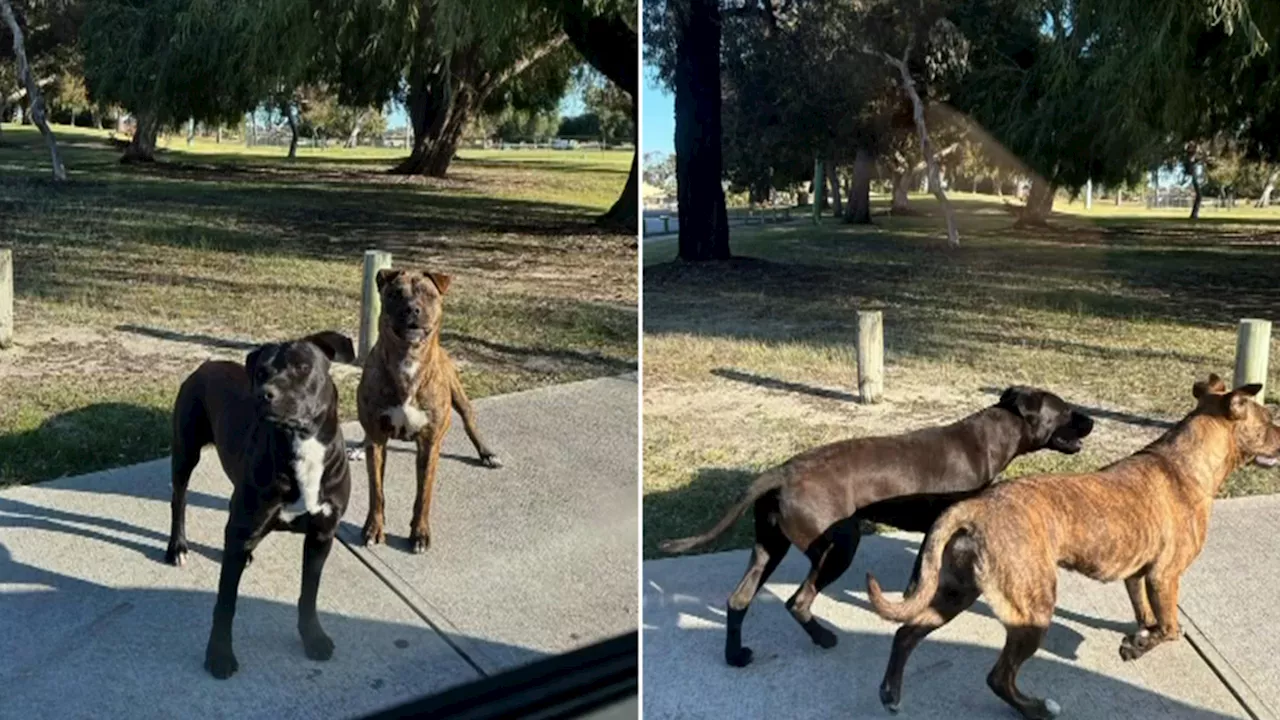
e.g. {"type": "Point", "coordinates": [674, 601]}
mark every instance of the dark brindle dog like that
{"type": "Point", "coordinates": [274, 422]}
{"type": "Point", "coordinates": [1142, 520]}
{"type": "Point", "coordinates": [816, 499]}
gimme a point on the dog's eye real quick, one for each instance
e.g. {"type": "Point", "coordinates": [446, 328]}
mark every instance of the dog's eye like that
{"type": "Point", "coordinates": [262, 374]}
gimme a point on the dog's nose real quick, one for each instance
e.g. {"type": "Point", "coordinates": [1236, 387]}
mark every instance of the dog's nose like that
{"type": "Point", "coordinates": [415, 312]}
{"type": "Point", "coordinates": [267, 395]}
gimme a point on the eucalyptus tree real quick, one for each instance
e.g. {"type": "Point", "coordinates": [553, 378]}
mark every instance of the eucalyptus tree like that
{"type": "Point", "coordinates": [15, 23]}
{"type": "Point", "coordinates": [169, 61]}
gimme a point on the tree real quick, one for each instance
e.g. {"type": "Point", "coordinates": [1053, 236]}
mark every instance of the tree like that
{"type": "Point", "coordinates": [34, 96]}
{"type": "Point", "coordinates": [168, 61]}
{"type": "Point", "coordinates": [684, 37]}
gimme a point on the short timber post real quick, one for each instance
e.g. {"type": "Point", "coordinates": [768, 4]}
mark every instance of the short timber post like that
{"type": "Point", "coordinates": [371, 300]}
{"type": "Point", "coordinates": [6, 298]}
{"type": "Point", "coordinates": [818, 191]}
{"type": "Point", "coordinates": [870, 342]}
{"type": "Point", "coordinates": [1253, 345]}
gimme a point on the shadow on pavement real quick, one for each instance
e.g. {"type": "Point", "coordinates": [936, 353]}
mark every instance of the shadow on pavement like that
{"type": "Point", "coordinates": [75, 648]}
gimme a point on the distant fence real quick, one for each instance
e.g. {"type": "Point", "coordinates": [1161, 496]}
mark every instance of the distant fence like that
{"type": "Point", "coordinates": [658, 223]}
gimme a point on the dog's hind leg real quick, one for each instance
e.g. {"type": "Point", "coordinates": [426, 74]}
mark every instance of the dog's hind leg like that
{"type": "Point", "coordinates": [191, 432]}
{"type": "Point", "coordinates": [1023, 601]}
{"type": "Point", "coordinates": [951, 599]}
{"type": "Point", "coordinates": [771, 546]}
{"type": "Point", "coordinates": [831, 555]}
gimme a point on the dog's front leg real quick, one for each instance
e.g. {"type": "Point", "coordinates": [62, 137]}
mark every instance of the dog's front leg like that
{"type": "Point", "coordinates": [375, 461]}
{"type": "Point", "coordinates": [1162, 591]}
{"type": "Point", "coordinates": [219, 658]}
{"type": "Point", "coordinates": [428, 459]}
{"type": "Point", "coordinates": [315, 550]}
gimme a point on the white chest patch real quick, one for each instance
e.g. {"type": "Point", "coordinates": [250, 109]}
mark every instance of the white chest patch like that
{"type": "Point", "coordinates": [407, 417]}
{"type": "Point", "coordinates": [308, 470]}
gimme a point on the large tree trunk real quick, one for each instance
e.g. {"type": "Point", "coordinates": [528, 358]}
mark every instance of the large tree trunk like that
{"type": "Point", "coordinates": [901, 188]}
{"type": "Point", "coordinates": [611, 47]}
{"type": "Point", "coordinates": [142, 148]}
{"type": "Point", "coordinates": [1264, 200]}
{"type": "Point", "coordinates": [704, 227]}
{"type": "Point", "coordinates": [442, 100]}
{"type": "Point", "coordinates": [929, 158]}
{"type": "Point", "coordinates": [833, 181]}
{"type": "Point", "coordinates": [290, 115]}
{"type": "Point", "coordinates": [353, 140]}
{"type": "Point", "coordinates": [34, 97]}
{"type": "Point", "coordinates": [1039, 204]}
{"type": "Point", "coordinates": [858, 211]}
{"type": "Point", "coordinates": [1196, 198]}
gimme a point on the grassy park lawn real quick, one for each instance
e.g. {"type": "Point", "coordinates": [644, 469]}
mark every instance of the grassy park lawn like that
{"type": "Point", "coordinates": [128, 277]}
{"type": "Point", "coordinates": [1117, 309]}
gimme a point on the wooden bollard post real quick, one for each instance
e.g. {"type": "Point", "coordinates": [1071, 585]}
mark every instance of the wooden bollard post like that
{"type": "Point", "coordinates": [370, 300]}
{"type": "Point", "coordinates": [666, 224]}
{"type": "Point", "coordinates": [1253, 346]}
{"type": "Point", "coordinates": [6, 298]}
{"type": "Point", "coordinates": [870, 342]}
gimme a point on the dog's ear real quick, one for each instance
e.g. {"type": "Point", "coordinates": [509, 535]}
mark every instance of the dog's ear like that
{"type": "Point", "coordinates": [336, 346]}
{"type": "Point", "coordinates": [1239, 399]}
{"type": "Point", "coordinates": [441, 280]}
{"type": "Point", "coordinates": [251, 360]}
{"type": "Point", "coordinates": [1213, 385]}
{"type": "Point", "coordinates": [1023, 402]}
{"type": "Point", "coordinates": [385, 276]}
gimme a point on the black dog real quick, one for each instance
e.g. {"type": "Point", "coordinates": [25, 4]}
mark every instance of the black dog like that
{"type": "Point", "coordinates": [816, 499]}
{"type": "Point", "coordinates": [274, 422]}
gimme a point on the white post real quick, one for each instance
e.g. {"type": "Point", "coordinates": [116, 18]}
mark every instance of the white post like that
{"type": "Point", "coordinates": [870, 344]}
{"type": "Point", "coordinates": [1253, 346]}
{"type": "Point", "coordinates": [371, 300]}
{"type": "Point", "coordinates": [6, 298]}
{"type": "Point", "coordinates": [1088, 194]}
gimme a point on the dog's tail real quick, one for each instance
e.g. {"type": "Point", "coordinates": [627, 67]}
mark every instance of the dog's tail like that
{"type": "Point", "coordinates": [769, 480]}
{"type": "Point", "coordinates": [959, 518]}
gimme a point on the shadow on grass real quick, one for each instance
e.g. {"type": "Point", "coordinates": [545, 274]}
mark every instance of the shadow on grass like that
{"type": "Point", "coordinates": [192, 338]}
{"type": "Point", "coordinates": [94, 437]}
{"type": "Point", "coordinates": [776, 384]}
{"type": "Point", "coordinates": [696, 506]}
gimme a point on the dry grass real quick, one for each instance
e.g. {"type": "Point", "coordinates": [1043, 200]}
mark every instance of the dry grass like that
{"type": "Point", "coordinates": [750, 361]}
{"type": "Point", "coordinates": [128, 277]}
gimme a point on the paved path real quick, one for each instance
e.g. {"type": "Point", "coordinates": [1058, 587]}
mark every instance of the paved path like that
{"type": "Point", "coordinates": [529, 560]}
{"type": "Point", "coordinates": [1228, 668]}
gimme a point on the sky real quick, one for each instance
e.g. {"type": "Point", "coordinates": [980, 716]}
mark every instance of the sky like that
{"type": "Point", "coordinates": [657, 117]}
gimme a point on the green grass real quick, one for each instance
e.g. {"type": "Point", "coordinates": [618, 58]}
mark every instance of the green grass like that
{"type": "Point", "coordinates": [750, 361]}
{"type": "Point", "coordinates": [128, 277]}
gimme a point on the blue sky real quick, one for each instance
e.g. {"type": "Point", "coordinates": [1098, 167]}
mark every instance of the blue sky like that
{"type": "Point", "coordinates": [657, 117]}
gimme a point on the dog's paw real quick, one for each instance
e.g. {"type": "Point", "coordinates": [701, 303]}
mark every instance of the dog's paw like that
{"type": "Point", "coordinates": [220, 661]}
{"type": "Point", "coordinates": [419, 542]}
{"type": "Point", "coordinates": [176, 554]}
{"type": "Point", "coordinates": [741, 657]}
{"type": "Point", "coordinates": [317, 645]}
{"type": "Point", "coordinates": [1045, 709]}
{"type": "Point", "coordinates": [490, 460]}
{"type": "Point", "coordinates": [821, 636]}
{"type": "Point", "coordinates": [1135, 646]}
{"type": "Point", "coordinates": [889, 699]}
{"type": "Point", "coordinates": [373, 534]}
{"type": "Point", "coordinates": [355, 454]}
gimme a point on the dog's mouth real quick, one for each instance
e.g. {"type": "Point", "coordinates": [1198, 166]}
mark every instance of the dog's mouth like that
{"type": "Point", "coordinates": [1067, 446]}
{"type": "Point", "coordinates": [1266, 461]}
{"type": "Point", "coordinates": [414, 332]}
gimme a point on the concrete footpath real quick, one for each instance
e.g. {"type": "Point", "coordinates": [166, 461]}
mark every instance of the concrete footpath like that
{"type": "Point", "coordinates": [1228, 666]}
{"type": "Point", "coordinates": [527, 561]}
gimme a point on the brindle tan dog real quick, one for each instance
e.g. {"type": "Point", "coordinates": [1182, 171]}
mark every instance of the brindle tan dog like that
{"type": "Point", "coordinates": [407, 392]}
{"type": "Point", "coordinates": [1142, 520]}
